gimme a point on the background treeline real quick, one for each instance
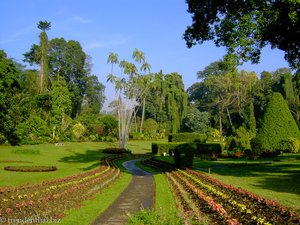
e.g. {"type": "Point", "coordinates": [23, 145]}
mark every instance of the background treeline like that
{"type": "Point", "coordinates": [62, 100]}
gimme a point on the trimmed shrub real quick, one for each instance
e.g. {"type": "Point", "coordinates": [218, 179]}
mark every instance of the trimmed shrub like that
{"type": "Point", "coordinates": [166, 147]}
{"type": "Point", "coordinates": [208, 150]}
{"type": "Point", "coordinates": [187, 137]}
{"type": "Point", "coordinates": [293, 145]}
{"type": "Point", "coordinates": [277, 126]}
{"type": "Point", "coordinates": [184, 155]}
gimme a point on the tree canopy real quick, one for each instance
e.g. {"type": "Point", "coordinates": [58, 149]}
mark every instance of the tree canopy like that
{"type": "Point", "coordinates": [245, 27]}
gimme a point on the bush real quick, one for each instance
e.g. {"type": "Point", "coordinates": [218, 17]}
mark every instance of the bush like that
{"type": "Point", "coordinates": [210, 150]}
{"type": "Point", "coordinates": [78, 130]}
{"type": "Point", "coordinates": [184, 155]}
{"type": "Point", "coordinates": [232, 144]}
{"type": "Point", "coordinates": [136, 136]}
{"type": "Point", "coordinates": [2, 139]}
{"type": "Point", "coordinates": [150, 128]}
{"type": "Point", "coordinates": [187, 137]}
{"type": "Point", "coordinates": [293, 145]}
{"type": "Point", "coordinates": [167, 148]}
{"type": "Point", "coordinates": [277, 126]}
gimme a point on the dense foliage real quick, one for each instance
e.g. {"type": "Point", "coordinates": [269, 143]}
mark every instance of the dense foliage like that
{"type": "Point", "coordinates": [245, 27]}
{"type": "Point", "coordinates": [9, 86]}
{"type": "Point", "coordinates": [277, 127]}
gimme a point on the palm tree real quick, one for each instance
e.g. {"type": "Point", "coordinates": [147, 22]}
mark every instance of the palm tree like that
{"type": "Point", "coordinates": [44, 25]}
{"type": "Point", "coordinates": [43, 79]}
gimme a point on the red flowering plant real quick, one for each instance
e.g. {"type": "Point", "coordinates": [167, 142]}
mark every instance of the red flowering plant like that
{"type": "Point", "coordinates": [49, 197]}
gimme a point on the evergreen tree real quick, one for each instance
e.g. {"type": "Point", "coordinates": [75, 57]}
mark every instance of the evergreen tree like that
{"type": "Point", "coordinates": [277, 127]}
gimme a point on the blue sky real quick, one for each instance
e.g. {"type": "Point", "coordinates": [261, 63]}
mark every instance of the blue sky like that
{"type": "Point", "coordinates": [103, 26]}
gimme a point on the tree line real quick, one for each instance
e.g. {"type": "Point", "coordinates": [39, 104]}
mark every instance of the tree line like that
{"type": "Point", "coordinates": [62, 100]}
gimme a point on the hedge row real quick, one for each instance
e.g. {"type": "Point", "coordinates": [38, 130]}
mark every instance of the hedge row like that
{"type": "Point", "coordinates": [165, 147]}
{"type": "Point", "coordinates": [187, 137]}
{"type": "Point", "coordinates": [201, 148]}
{"type": "Point", "coordinates": [208, 148]}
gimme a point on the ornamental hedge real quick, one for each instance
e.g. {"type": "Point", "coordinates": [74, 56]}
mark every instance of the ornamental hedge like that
{"type": "Point", "coordinates": [166, 147]}
{"type": "Point", "coordinates": [277, 127]}
{"type": "Point", "coordinates": [187, 137]}
{"type": "Point", "coordinates": [208, 148]}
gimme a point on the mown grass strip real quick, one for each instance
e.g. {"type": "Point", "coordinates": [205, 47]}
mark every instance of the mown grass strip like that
{"type": "Point", "coordinates": [94, 207]}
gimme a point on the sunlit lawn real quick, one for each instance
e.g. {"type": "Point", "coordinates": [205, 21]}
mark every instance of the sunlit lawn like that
{"type": "Point", "coordinates": [71, 158]}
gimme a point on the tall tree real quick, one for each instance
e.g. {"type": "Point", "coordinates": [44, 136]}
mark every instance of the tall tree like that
{"type": "Point", "coordinates": [94, 94]}
{"type": "Point", "coordinates": [176, 100]}
{"type": "Point", "coordinates": [43, 78]}
{"type": "Point", "coordinates": [66, 60]}
{"type": "Point", "coordinates": [9, 85]}
{"type": "Point", "coordinates": [167, 100]}
{"type": "Point", "coordinates": [245, 27]}
{"type": "Point", "coordinates": [61, 107]}
{"type": "Point", "coordinates": [128, 93]}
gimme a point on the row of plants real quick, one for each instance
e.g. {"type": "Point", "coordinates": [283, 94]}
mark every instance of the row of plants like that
{"type": "Point", "coordinates": [50, 199]}
{"type": "Point", "coordinates": [224, 203]}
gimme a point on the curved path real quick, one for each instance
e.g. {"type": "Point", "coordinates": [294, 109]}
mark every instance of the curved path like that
{"type": "Point", "coordinates": [138, 195]}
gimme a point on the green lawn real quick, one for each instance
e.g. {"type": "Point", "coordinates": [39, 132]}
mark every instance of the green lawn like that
{"type": "Point", "coordinates": [278, 180]}
{"type": "Point", "coordinates": [71, 158]}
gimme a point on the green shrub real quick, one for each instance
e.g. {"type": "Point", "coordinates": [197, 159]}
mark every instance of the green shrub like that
{"type": "Point", "coordinates": [184, 155]}
{"type": "Point", "coordinates": [150, 128]}
{"type": "Point", "coordinates": [166, 147]}
{"type": "Point", "coordinates": [232, 144]}
{"type": "Point", "coordinates": [277, 126]}
{"type": "Point", "coordinates": [208, 150]}
{"type": "Point", "coordinates": [293, 145]}
{"type": "Point", "coordinates": [136, 136]}
{"type": "Point", "coordinates": [2, 139]}
{"type": "Point", "coordinates": [78, 130]}
{"type": "Point", "coordinates": [187, 137]}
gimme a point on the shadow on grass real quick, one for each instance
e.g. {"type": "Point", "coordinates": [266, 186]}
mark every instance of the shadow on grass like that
{"type": "Point", "coordinates": [90, 156]}
{"type": "Point", "coordinates": [275, 176]}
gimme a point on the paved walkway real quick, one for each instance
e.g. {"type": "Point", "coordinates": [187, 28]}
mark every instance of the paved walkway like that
{"type": "Point", "coordinates": [139, 194]}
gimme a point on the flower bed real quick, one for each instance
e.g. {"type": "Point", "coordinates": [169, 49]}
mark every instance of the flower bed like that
{"type": "Point", "coordinates": [231, 205]}
{"type": "Point", "coordinates": [30, 168]}
{"type": "Point", "coordinates": [197, 193]}
{"type": "Point", "coordinates": [50, 199]}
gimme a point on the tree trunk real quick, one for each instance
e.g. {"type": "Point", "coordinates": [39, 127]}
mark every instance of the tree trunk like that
{"type": "Point", "coordinates": [143, 115]}
{"type": "Point", "coordinates": [220, 122]}
{"type": "Point", "coordinates": [230, 121]}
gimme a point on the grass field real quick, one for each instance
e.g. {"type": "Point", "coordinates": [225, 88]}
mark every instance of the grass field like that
{"type": "Point", "coordinates": [278, 180]}
{"type": "Point", "coordinates": [71, 158]}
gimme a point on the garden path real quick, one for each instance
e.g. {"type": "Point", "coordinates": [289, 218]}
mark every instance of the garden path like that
{"type": "Point", "coordinates": [138, 195]}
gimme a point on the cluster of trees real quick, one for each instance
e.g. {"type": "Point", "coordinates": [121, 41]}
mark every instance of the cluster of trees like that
{"type": "Point", "coordinates": [239, 105]}
{"type": "Point", "coordinates": [159, 98]}
{"type": "Point", "coordinates": [60, 101]}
